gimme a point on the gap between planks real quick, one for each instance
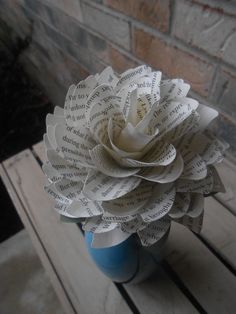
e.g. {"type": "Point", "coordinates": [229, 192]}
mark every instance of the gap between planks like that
{"type": "Point", "coordinates": [159, 292]}
{"type": "Point", "coordinates": [219, 225]}
{"type": "Point", "coordinates": [64, 243]}
{"type": "Point", "coordinates": [38, 245]}
{"type": "Point", "coordinates": [217, 295]}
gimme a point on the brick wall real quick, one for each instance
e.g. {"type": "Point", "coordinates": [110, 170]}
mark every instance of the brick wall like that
{"type": "Point", "coordinates": [191, 39]}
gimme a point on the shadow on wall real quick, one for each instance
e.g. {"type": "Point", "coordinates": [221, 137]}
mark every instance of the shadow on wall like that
{"type": "Point", "coordinates": [23, 106]}
{"type": "Point", "coordinates": [23, 109]}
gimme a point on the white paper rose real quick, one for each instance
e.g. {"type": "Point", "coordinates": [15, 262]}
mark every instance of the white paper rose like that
{"type": "Point", "coordinates": [129, 154]}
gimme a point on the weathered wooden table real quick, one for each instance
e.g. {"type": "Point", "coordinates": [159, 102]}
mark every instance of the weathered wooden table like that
{"type": "Point", "coordinates": [198, 274]}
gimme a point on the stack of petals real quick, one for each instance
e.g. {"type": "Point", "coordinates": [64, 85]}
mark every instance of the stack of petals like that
{"type": "Point", "coordinates": [129, 154]}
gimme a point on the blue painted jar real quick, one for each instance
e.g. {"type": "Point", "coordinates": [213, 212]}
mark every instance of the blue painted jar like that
{"type": "Point", "coordinates": [129, 261]}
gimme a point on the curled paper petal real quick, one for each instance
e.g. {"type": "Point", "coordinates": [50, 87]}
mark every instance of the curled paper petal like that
{"type": "Point", "coordinates": [51, 136]}
{"type": "Point", "coordinates": [211, 184]}
{"type": "Point", "coordinates": [180, 206]}
{"type": "Point", "coordinates": [131, 202]}
{"type": "Point", "coordinates": [155, 86]}
{"type": "Point", "coordinates": [163, 174]}
{"type": "Point", "coordinates": [143, 105]}
{"type": "Point", "coordinates": [99, 118]}
{"type": "Point", "coordinates": [116, 152]}
{"type": "Point", "coordinates": [183, 128]}
{"type": "Point", "coordinates": [97, 225]}
{"type": "Point", "coordinates": [67, 112]}
{"type": "Point", "coordinates": [54, 194]}
{"type": "Point", "coordinates": [46, 142]}
{"type": "Point", "coordinates": [207, 115]}
{"type": "Point", "coordinates": [169, 115]}
{"type": "Point", "coordinates": [144, 85]}
{"type": "Point", "coordinates": [58, 111]}
{"type": "Point", "coordinates": [129, 154]}
{"type": "Point", "coordinates": [99, 94]}
{"type": "Point", "coordinates": [131, 140]}
{"type": "Point", "coordinates": [170, 89]}
{"type": "Point", "coordinates": [124, 96]}
{"type": "Point", "coordinates": [110, 217]}
{"type": "Point", "coordinates": [79, 100]}
{"type": "Point", "coordinates": [107, 165]}
{"type": "Point", "coordinates": [132, 117]}
{"type": "Point", "coordinates": [197, 205]}
{"type": "Point", "coordinates": [161, 155]}
{"type": "Point", "coordinates": [217, 183]}
{"type": "Point", "coordinates": [194, 224]}
{"type": "Point", "coordinates": [108, 77]}
{"type": "Point", "coordinates": [84, 208]}
{"type": "Point", "coordinates": [154, 231]}
{"type": "Point", "coordinates": [61, 208]}
{"type": "Point", "coordinates": [50, 172]}
{"type": "Point", "coordinates": [133, 226]}
{"type": "Point", "coordinates": [132, 75]}
{"type": "Point", "coordinates": [70, 189]}
{"type": "Point", "coordinates": [103, 188]}
{"type": "Point", "coordinates": [81, 209]}
{"type": "Point", "coordinates": [65, 169]}
{"type": "Point", "coordinates": [75, 144]}
{"type": "Point", "coordinates": [195, 167]}
{"type": "Point", "coordinates": [204, 186]}
{"type": "Point", "coordinates": [52, 119]}
{"type": "Point", "coordinates": [164, 156]}
{"type": "Point", "coordinates": [207, 146]}
{"type": "Point", "coordinates": [160, 203]}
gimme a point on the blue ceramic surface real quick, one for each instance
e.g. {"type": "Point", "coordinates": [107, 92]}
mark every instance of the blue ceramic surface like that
{"type": "Point", "coordinates": [127, 261]}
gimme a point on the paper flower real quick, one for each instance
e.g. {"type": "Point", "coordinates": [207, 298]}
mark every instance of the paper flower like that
{"type": "Point", "coordinates": [129, 154]}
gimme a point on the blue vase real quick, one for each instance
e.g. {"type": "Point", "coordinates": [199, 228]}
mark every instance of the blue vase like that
{"type": "Point", "coordinates": [127, 262]}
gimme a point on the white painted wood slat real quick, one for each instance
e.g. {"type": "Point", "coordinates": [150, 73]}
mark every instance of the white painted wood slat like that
{"type": "Point", "coordinates": [227, 171]}
{"type": "Point", "coordinates": [88, 290]}
{"type": "Point", "coordinates": [158, 294]}
{"type": "Point", "coordinates": [48, 266]}
{"type": "Point", "coordinates": [210, 282]}
{"type": "Point", "coordinates": [219, 229]}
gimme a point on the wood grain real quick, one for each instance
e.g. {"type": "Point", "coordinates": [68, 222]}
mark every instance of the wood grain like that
{"type": "Point", "coordinates": [211, 283]}
{"type": "Point", "coordinates": [48, 266]}
{"type": "Point", "coordinates": [227, 171]}
{"type": "Point", "coordinates": [158, 292]}
{"type": "Point", "coordinates": [219, 229]}
{"type": "Point", "coordinates": [88, 290]}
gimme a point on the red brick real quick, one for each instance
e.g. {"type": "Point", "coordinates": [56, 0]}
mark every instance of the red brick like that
{"type": "Point", "coordinates": [72, 7]}
{"type": "Point", "coordinates": [108, 26]}
{"type": "Point", "coordinates": [224, 91]}
{"type": "Point", "coordinates": [206, 28]}
{"type": "Point", "coordinates": [77, 71]}
{"type": "Point", "coordinates": [173, 62]}
{"type": "Point", "coordinates": [119, 61]}
{"type": "Point", "coordinates": [155, 13]}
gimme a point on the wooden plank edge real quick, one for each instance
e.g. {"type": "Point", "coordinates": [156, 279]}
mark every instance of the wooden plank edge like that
{"type": "Point", "coordinates": [219, 233]}
{"type": "Point", "coordinates": [48, 266]}
{"type": "Point", "coordinates": [227, 171]}
{"type": "Point", "coordinates": [126, 290]}
{"type": "Point", "coordinates": [15, 172]}
{"type": "Point", "coordinates": [39, 151]}
{"type": "Point", "coordinates": [210, 282]}
{"type": "Point", "coordinates": [210, 244]}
